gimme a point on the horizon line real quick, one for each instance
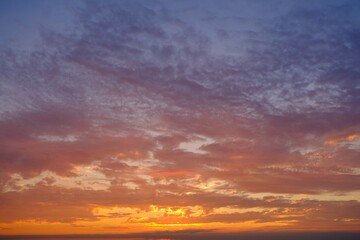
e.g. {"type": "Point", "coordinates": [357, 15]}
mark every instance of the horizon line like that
{"type": "Point", "coordinates": [199, 235]}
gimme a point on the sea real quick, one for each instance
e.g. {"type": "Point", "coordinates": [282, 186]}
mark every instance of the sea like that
{"type": "Point", "coordinates": [216, 236]}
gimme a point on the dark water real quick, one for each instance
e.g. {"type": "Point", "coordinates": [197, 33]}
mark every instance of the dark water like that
{"type": "Point", "coordinates": [74, 238]}
{"type": "Point", "coordinates": [214, 236]}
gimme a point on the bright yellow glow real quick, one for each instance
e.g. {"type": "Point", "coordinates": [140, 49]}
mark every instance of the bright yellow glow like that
{"type": "Point", "coordinates": [155, 218]}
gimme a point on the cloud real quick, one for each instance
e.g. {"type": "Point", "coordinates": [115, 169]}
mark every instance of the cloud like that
{"type": "Point", "coordinates": [186, 104]}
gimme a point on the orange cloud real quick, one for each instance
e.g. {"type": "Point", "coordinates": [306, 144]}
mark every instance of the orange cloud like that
{"type": "Point", "coordinates": [175, 173]}
{"type": "Point", "coordinates": [347, 138]}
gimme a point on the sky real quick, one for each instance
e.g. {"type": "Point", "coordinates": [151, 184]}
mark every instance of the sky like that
{"type": "Point", "coordinates": [192, 117]}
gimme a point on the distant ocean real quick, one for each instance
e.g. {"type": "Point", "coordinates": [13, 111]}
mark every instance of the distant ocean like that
{"type": "Point", "coordinates": [214, 236]}
{"type": "Point", "coordinates": [74, 238]}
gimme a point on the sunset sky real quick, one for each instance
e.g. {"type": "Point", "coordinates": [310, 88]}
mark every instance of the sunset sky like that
{"type": "Point", "coordinates": [204, 116]}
